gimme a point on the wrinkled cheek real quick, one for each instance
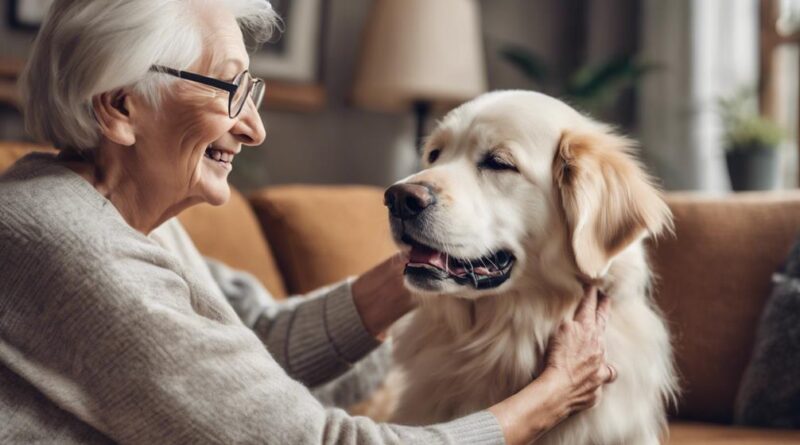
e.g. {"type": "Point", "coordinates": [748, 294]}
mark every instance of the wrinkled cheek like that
{"type": "Point", "coordinates": [200, 136]}
{"type": "Point", "coordinates": [192, 160]}
{"type": "Point", "coordinates": [196, 173]}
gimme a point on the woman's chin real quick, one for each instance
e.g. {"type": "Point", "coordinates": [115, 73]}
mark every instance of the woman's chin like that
{"type": "Point", "coordinates": [218, 196]}
{"type": "Point", "coordinates": [216, 190]}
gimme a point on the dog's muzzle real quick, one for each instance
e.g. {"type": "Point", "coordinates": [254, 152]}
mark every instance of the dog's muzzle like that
{"type": "Point", "coordinates": [407, 204]}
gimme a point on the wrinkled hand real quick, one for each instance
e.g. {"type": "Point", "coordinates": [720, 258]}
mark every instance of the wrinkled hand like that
{"type": "Point", "coordinates": [574, 374]}
{"type": "Point", "coordinates": [577, 353]}
{"type": "Point", "coordinates": [380, 295]}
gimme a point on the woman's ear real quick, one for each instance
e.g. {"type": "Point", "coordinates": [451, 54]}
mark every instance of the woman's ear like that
{"type": "Point", "coordinates": [608, 200]}
{"type": "Point", "coordinates": [113, 113]}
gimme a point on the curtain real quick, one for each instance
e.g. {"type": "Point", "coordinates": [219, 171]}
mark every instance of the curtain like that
{"type": "Point", "coordinates": [703, 50]}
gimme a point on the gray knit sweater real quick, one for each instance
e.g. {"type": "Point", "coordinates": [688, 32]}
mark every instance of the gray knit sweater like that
{"type": "Point", "coordinates": [106, 335]}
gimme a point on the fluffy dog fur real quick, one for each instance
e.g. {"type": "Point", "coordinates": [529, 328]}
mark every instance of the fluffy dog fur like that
{"type": "Point", "coordinates": [576, 210]}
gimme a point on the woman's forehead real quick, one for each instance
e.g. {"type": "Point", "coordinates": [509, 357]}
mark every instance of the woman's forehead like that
{"type": "Point", "coordinates": [223, 44]}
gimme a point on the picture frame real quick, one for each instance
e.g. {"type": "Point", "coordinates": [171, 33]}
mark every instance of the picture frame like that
{"type": "Point", "coordinates": [27, 14]}
{"type": "Point", "coordinates": [294, 54]}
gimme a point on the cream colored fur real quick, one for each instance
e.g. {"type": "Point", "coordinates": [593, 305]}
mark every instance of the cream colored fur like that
{"type": "Point", "coordinates": [577, 211]}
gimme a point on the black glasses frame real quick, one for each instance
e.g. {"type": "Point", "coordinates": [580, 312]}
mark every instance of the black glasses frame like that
{"type": "Point", "coordinates": [216, 83]}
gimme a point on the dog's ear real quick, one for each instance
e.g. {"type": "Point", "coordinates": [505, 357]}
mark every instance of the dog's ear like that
{"type": "Point", "coordinates": [608, 200]}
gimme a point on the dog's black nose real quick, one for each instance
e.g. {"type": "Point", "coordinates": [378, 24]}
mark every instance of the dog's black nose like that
{"type": "Point", "coordinates": [406, 201]}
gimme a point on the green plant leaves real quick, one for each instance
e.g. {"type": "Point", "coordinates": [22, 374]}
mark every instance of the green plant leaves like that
{"type": "Point", "coordinates": [745, 128]}
{"type": "Point", "coordinates": [591, 87]}
{"type": "Point", "coordinates": [600, 84]}
{"type": "Point", "coordinates": [531, 65]}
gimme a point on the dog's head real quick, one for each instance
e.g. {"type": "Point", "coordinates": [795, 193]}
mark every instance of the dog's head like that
{"type": "Point", "coordinates": [515, 183]}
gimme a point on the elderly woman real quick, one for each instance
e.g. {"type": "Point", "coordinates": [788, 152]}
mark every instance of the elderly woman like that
{"type": "Point", "coordinates": [112, 327]}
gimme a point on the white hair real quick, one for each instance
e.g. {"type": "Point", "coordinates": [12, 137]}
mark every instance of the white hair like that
{"type": "Point", "coordinates": [88, 47]}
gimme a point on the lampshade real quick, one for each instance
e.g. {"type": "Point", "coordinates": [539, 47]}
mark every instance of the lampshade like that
{"type": "Point", "coordinates": [420, 51]}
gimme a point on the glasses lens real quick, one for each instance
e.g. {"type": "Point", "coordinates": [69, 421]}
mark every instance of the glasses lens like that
{"type": "Point", "coordinates": [243, 83]}
{"type": "Point", "coordinates": [258, 93]}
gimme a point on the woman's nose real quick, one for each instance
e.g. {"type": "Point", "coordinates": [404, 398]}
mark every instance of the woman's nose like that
{"type": "Point", "coordinates": [249, 129]}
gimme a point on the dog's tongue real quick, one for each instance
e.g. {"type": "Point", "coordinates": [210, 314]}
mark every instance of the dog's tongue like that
{"type": "Point", "coordinates": [423, 255]}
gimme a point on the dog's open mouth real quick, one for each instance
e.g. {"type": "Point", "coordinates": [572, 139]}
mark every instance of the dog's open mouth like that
{"type": "Point", "coordinates": [485, 272]}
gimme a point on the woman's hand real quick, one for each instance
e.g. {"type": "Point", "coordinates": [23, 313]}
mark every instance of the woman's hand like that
{"type": "Point", "coordinates": [572, 380]}
{"type": "Point", "coordinates": [577, 353]}
{"type": "Point", "coordinates": [380, 296]}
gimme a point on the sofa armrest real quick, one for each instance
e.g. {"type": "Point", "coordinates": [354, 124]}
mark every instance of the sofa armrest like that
{"type": "Point", "coordinates": [712, 280]}
{"type": "Point", "coordinates": [689, 433]}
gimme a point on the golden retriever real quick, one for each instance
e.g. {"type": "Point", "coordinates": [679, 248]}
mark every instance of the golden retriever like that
{"type": "Point", "coordinates": [522, 201]}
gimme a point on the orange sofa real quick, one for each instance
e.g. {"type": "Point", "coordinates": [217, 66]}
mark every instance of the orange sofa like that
{"type": "Point", "coordinates": [714, 276]}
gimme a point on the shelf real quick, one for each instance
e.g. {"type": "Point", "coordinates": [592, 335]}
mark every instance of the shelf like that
{"type": "Point", "coordinates": [294, 97]}
{"type": "Point", "coordinates": [281, 96]}
{"type": "Point", "coordinates": [8, 93]}
{"type": "Point", "coordinates": [9, 71]}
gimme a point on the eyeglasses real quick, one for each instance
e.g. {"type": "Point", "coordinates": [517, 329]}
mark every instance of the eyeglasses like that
{"type": "Point", "coordinates": [244, 85]}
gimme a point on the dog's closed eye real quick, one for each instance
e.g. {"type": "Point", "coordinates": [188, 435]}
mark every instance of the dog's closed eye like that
{"type": "Point", "coordinates": [434, 155]}
{"type": "Point", "coordinates": [497, 161]}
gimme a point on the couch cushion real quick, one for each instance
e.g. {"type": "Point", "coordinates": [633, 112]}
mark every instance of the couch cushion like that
{"type": "Point", "coordinates": [11, 151]}
{"type": "Point", "coordinates": [685, 433]}
{"type": "Point", "coordinates": [321, 234]}
{"type": "Point", "coordinates": [769, 396]}
{"type": "Point", "coordinates": [229, 233]}
{"type": "Point", "coordinates": [713, 279]}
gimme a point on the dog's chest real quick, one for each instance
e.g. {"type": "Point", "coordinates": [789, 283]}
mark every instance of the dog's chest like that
{"type": "Point", "coordinates": [450, 373]}
{"type": "Point", "coordinates": [459, 369]}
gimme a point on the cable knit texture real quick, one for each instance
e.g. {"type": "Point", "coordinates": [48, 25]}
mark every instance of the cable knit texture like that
{"type": "Point", "coordinates": [107, 336]}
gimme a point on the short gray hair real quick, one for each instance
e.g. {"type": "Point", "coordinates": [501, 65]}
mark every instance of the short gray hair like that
{"type": "Point", "coordinates": [88, 47]}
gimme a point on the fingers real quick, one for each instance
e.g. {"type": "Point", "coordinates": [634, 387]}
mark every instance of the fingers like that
{"type": "Point", "coordinates": [608, 373]}
{"type": "Point", "coordinates": [603, 310]}
{"type": "Point", "coordinates": [399, 257]}
{"type": "Point", "coordinates": [596, 397]}
{"type": "Point", "coordinates": [588, 305]}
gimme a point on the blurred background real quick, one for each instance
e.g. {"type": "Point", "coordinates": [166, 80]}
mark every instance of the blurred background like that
{"type": "Point", "coordinates": [709, 87]}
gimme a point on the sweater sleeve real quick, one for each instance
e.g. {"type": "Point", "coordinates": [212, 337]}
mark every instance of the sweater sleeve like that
{"type": "Point", "coordinates": [132, 349]}
{"type": "Point", "coordinates": [315, 337]}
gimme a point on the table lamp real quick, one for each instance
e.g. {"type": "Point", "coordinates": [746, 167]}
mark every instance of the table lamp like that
{"type": "Point", "coordinates": [420, 54]}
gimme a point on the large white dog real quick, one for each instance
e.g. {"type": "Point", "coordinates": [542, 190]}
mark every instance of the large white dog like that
{"type": "Point", "coordinates": [522, 201]}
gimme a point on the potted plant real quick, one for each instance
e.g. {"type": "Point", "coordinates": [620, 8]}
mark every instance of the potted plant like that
{"type": "Point", "coordinates": [593, 88]}
{"type": "Point", "coordinates": [751, 143]}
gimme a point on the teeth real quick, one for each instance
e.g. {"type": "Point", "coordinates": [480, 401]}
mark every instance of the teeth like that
{"type": "Point", "coordinates": [218, 155]}
{"type": "Point", "coordinates": [488, 264]}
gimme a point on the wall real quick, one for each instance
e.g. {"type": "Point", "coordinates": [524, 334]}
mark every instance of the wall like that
{"type": "Point", "coordinates": [343, 144]}
{"type": "Point", "coordinates": [12, 44]}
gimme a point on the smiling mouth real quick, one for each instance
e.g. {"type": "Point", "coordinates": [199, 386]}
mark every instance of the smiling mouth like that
{"type": "Point", "coordinates": [485, 272]}
{"type": "Point", "coordinates": [222, 157]}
